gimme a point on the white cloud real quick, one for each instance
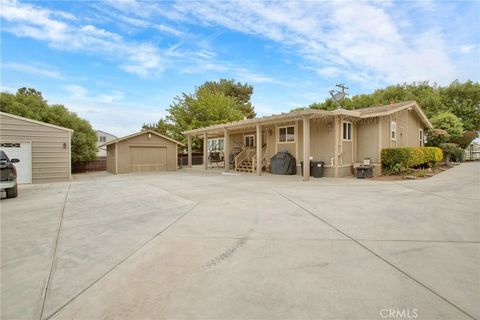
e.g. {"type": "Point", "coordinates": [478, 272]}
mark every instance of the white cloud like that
{"type": "Point", "coordinates": [355, 37]}
{"type": "Point", "coordinates": [112, 97]}
{"type": "Point", "coordinates": [79, 92]}
{"type": "Point", "coordinates": [26, 20]}
{"type": "Point", "coordinates": [32, 69]}
{"type": "Point", "coordinates": [76, 91]}
{"type": "Point", "coordinates": [330, 72]}
{"type": "Point", "coordinates": [466, 48]}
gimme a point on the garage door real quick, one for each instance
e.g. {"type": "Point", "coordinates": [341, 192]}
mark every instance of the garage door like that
{"type": "Point", "coordinates": [23, 152]}
{"type": "Point", "coordinates": [146, 158]}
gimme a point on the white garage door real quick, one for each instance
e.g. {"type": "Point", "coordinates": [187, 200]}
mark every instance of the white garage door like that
{"type": "Point", "coordinates": [23, 152]}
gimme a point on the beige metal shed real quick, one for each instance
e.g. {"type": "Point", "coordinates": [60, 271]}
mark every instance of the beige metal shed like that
{"type": "Point", "coordinates": [42, 148]}
{"type": "Point", "coordinates": [142, 151]}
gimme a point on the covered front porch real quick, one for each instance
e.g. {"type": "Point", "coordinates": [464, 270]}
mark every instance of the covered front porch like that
{"type": "Point", "coordinates": [248, 145]}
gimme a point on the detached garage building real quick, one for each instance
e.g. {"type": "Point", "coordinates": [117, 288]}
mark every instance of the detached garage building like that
{"type": "Point", "coordinates": [142, 151]}
{"type": "Point", "coordinates": [42, 148]}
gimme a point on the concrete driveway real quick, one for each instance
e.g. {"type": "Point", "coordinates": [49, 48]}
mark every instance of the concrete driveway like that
{"type": "Point", "coordinates": [204, 246]}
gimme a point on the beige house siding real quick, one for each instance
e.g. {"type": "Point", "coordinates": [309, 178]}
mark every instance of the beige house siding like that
{"type": "Point", "coordinates": [133, 154]}
{"type": "Point", "coordinates": [413, 128]}
{"type": "Point", "coordinates": [322, 141]}
{"type": "Point", "coordinates": [386, 138]}
{"type": "Point", "coordinates": [111, 158]}
{"type": "Point", "coordinates": [271, 141]}
{"type": "Point", "coordinates": [367, 141]}
{"type": "Point", "coordinates": [50, 147]}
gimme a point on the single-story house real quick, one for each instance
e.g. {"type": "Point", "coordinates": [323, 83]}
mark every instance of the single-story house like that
{"type": "Point", "coordinates": [102, 138]}
{"type": "Point", "coordinates": [341, 138]}
{"type": "Point", "coordinates": [42, 148]}
{"type": "Point", "coordinates": [143, 151]}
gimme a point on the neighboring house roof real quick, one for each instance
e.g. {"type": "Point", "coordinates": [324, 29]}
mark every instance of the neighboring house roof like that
{"type": "Point", "coordinates": [369, 112]}
{"type": "Point", "coordinates": [35, 121]}
{"type": "Point", "coordinates": [100, 131]}
{"type": "Point", "coordinates": [139, 134]}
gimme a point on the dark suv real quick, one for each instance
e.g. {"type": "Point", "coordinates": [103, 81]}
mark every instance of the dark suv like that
{"type": "Point", "coordinates": [8, 175]}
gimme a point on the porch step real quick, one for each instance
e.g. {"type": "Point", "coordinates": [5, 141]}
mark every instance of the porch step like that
{"type": "Point", "coordinates": [245, 166]}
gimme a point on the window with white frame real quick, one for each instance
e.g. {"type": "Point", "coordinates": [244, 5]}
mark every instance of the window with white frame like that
{"type": "Point", "coordinates": [347, 131]}
{"type": "Point", "coordinates": [102, 139]}
{"type": "Point", "coordinates": [286, 134]}
{"type": "Point", "coordinates": [420, 137]}
{"type": "Point", "coordinates": [215, 144]}
{"type": "Point", "coordinates": [249, 140]}
{"type": "Point", "coordinates": [393, 130]}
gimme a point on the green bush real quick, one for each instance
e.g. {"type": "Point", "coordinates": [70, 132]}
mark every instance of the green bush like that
{"type": "Point", "coordinates": [451, 151]}
{"type": "Point", "coordinates": [395, 160]}
{"type": "Point", "coordinates": [437, 136]}
{"type": "Point", "coordinates": [434, 154]}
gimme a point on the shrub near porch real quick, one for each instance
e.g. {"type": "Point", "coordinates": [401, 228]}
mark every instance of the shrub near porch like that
{"type": "Point", "coordinates": [410, 157]}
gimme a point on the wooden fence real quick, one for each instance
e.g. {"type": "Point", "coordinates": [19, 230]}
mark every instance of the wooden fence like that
{"type": "Point", "coordinates": [99, 164]}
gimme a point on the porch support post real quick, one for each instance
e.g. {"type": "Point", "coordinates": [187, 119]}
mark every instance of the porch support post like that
{"type": "Point", "coordinates": [259, 149]}
{"type": "Point", "coordinates": [226, 150]}
{"type": "Point", "coordinates": [306, 148]}
{"type": "Point", "coordinates": [338, 131]}
{"type": "Point", "coordinates": [116, 157]}
{"type": "Point", "coordinates": [205, 150]}
{"type": "Point", "coordinates": [189, 151]}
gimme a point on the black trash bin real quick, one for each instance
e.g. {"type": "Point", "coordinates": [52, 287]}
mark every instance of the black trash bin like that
{"type": "Point", "coordinates": [311, 168]}
{"type": "Point", "coordinates": [317, 168]}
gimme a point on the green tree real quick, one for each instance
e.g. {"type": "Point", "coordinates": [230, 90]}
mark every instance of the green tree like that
{"type": "Point", "coordinates": [29, 103]}
{"type": "Point", "coordinates": [241, 92]}
{"type": "Point", "coordinates": [448, 122]}
{"type": "Point", "coordinates": [211, 103]}
{"type": "Point", "coordinates": [161, 127]}
{"type": "Point", "coordinates": [465, 139]}
{"type": "Point", "coordinates": [461, 99]}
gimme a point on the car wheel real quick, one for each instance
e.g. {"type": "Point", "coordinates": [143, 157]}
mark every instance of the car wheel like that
{"type": "Point", "coordinates": [12, 192]}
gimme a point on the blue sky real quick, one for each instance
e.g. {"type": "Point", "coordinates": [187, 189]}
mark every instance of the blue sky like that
{"type": "Point", "coordinates": [119, 64]}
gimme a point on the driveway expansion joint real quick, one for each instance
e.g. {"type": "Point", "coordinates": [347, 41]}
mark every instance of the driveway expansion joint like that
{"type": "Point", "coordinates": [121, 261]}
{"type": "Point", "coordinates": [377, 255]}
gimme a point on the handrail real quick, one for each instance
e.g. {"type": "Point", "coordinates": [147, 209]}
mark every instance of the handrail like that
{"type": "Point", "coordinates": [240, 157]}
{"type": "Point", "coordinates": [254, 163]}
{"type": "Point", "coordinates": [250, 154]}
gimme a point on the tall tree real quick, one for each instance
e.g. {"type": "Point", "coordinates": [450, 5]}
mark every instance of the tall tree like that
{"type": "Point", "coordinates": [241, 92]}
{"type": "Point", "coordinates": [211, 103]}
{"type": "Point", "coordinates": [461, 99]}
{"type": "Point", "coordinates": [29, 103]}
{"type": "Point", "coordinates": [448, 122]}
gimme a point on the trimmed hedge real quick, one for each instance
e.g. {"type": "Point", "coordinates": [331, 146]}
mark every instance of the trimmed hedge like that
{"type": "Point", "coordinates": [410, 157]}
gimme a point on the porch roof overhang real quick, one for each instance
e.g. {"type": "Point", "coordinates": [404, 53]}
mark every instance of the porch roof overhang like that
{"type": "Point", "coordinates": [266, 120]}
{"type": "Point", "coordinates": [354, 115]}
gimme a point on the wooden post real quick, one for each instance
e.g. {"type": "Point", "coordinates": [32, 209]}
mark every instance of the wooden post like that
{"type": "Point", "coordinates": [189, 151]}
{"type": "Point", "coordinates": [259, 150]}
{"type": "Point", "coordinates": [379, 159]}
{"type": "Point", "coordinates": [338, 131]}
{"type": "Point", "coordinates": [226, 150]}
{"type": "Point", "coordinates": [306, 148]}
{"type": "Point", "coordinates": [205, 150]}
{"type": "Point", "coordinates": [116, 157]}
